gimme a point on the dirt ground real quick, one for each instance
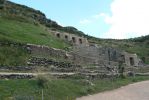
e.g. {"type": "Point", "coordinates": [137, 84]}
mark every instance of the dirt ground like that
{"type": "Point", "coordinates": [136, 91]}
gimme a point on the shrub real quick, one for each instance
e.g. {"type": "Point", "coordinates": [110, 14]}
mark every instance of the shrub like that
{"type": "Point", "coordinates": [41, 81]}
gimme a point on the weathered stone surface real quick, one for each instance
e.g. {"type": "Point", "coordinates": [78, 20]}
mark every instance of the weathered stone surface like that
{"type": "Point", "coordinates": [17, 68]}
{"type": "Point", "coordinates": [34, 61]}
{"type": "Point", "coordinates": [71, 38]}
{"type": "Point", "coordinates": [36, 50]}
{"type": "Point", "coordinates": [95, 55]}
{"type": "Point", "coordinates": [16, 76]}
{"type": "Point", "coordinates": [131, 59]}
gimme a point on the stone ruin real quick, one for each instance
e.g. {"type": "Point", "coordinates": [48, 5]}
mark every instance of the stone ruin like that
{"type": "Point", "coordinates": [92, 61]}
{"type": "Point", "coordinates": [73, 39]}
{"type": "Point", "coordinates": [82, 53]}
{"type": "Point", "coordinates": [131, 59]}
{"type": "Point", "coordinates": [87, 55]}
{"type": "Point", "coordinates": [99, 55]}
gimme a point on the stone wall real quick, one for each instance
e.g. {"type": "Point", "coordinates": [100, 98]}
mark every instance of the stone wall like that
{"type": "Point", "coordinates": [74, 39]}
{"type": "Point", "coordinates": [84, 55]}
{"type": "Point", "coordinates": [131, 59]}
{"type": "Point", "coordinates": [80, 54]}
{"type": "Point", "coordinates": [95, 55]}
{"type": "Point", "coordinates": [34, 61]}
{"type": "Point", "coordinates": [45, 51]}
{"type": "Point", "coordinates": [17, 68]}
{"type": "Point", "coordinates": [16, 76]}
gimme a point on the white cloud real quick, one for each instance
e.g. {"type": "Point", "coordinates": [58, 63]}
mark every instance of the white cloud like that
{"type": "Point", "coordinates": [99, 16]}
{"type": "Point", "coordinates": [96, 16]}
{"type": "Point", "coordinates": [85, 21]}
{"type": "Point", "coordinates": [92, 19]}
{"type": "Point", "coordinates": [129, 18]}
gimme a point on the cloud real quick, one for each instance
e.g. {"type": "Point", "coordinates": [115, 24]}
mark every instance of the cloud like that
{"type": "Point", "coordinates": [130, 18]}
{"type": "Point", "coordinates": [85, 21]}
{"type": "Point", "coordinates": [99, 16]}
{"type": "Point", "coordinates": [96, 16]}
{"type": "Point", "coordinates": [92, 19]}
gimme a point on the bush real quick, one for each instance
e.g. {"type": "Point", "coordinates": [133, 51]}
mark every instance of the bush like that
{"type": "Point", "coordinates": [42, 81]}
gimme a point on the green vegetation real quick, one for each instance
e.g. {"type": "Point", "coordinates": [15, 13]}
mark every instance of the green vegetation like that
{"type": "Point", "coordinates": [23, 28]}
{"type": "Point", "coordinates": [13, 56]}
{"type": "Point", "coordinates": [19, 30]}
{"type": "Point", "coordinates": [141, 39]}
{"type": "Point", "coordinates": [60, 89]}
{"type": "Point", "coordinates": [23, 31]}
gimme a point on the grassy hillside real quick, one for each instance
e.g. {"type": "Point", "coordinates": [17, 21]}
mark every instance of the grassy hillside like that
{"type": "Point", "coordinates": [23, 30]}
{"type": "Point", "coordinates": [19, 29]}
{"type": "Point", "coordinates": [12, 56]}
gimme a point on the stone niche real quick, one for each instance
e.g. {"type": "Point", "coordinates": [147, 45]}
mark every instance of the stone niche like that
{"type": "Point", "coordinates": [131, 59]}
{"type": "Point", "coordinates": [74, 39]}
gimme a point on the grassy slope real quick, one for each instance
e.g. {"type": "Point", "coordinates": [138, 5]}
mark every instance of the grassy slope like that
{"type": "Point", "coordinates": [21, 30]}
{"type": "Point", "coordinates": [27, 32]}
{"type": "Point", "coordinates": [59, 89]}
{"type": "Point", "coordinates": [13, 56]}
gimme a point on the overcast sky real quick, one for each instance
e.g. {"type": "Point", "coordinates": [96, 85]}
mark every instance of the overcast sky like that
{"type": "Point", "coordinates": [116, 19]}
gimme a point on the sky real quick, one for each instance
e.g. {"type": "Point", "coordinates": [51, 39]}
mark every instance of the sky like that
{"type": "Point", "coordinates": [117, 19]}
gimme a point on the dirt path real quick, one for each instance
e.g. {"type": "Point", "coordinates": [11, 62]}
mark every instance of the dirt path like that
{"type": "Point", "coordinates": [136, 91]}
{"type": "Point", "coordinates": [34, 74]}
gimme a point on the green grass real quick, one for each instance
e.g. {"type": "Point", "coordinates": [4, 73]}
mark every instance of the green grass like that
{"type": "Point", "coordinates": [12, 88]}
{"type": "Point", "coordinates": [59, 89]}
{"type": "Point", "coordinates": [13, 56]}
{"type": "Point", "coordinates": [17, 29]}
{"type": "Point", "coordinates": [27, 32]}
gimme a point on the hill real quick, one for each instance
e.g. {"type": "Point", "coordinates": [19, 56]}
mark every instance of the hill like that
{"type": "Point", "coordinates": [24, 29]}
{"type": "Point", "coordinates": [21, 24]}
